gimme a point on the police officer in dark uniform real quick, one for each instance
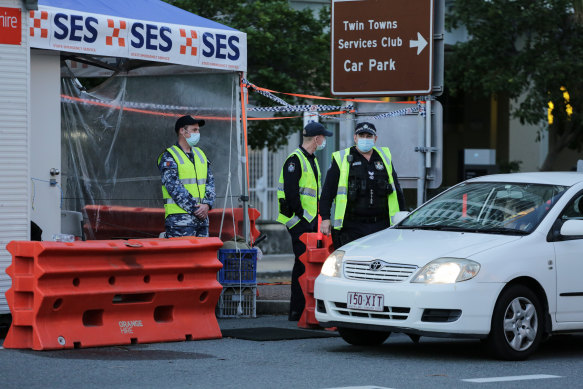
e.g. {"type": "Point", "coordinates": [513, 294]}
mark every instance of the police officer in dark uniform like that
{"type": "Point", "coordinates": [361, 192]}
{"type": "Point", "coordinates": [298, 194]}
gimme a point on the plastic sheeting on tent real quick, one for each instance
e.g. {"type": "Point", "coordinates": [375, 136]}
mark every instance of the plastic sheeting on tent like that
{"type": "Point", "coordinates": [112, 137]}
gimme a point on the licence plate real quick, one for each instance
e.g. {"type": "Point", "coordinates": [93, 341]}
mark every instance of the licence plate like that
{"type": "Point", "coordinates": [365, 301]}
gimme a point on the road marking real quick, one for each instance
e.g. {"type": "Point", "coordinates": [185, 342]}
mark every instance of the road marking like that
{"type": "Point", "coordinates": [512, 378]}
{"type": "Point", "coordinates": [360, 387]}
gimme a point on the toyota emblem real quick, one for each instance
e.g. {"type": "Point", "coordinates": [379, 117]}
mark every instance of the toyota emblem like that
{"type": "Point", "coordinates": [376, 265]}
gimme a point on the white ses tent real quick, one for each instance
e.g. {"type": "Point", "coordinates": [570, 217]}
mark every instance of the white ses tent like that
{"type": "Point", "coordinates": [64, 147]}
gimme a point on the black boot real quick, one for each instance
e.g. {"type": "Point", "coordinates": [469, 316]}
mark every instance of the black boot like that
{"type": "Point", "coordinates": [294, 316]}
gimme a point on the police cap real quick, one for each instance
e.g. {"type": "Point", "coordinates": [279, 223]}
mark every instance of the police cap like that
{"type": "Point", "coordinates": [315, 128]}
{"type": "Point", "coordinates": [187, 121]}
{"type": "Point", "coordinates": [365, 127]}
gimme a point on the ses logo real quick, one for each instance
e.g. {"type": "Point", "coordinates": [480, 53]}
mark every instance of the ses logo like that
{"type": "Point", "coordinates": [153, 37]}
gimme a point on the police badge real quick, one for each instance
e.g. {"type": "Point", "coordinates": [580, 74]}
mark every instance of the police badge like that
{"type": "Point", "coordinates": [379, 165]}
{"type": "Point", "coordinates": [291, 167]}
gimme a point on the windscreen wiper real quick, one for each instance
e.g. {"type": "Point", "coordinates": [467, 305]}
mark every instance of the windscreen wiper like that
{"type": "Point", "coordinates": [425, 227]}
{"type": "Point", "coordinates": [491, 230]}
{"type": "Point", "coordinates": [504, 231]}
{"type": "Point", "coordinates": [435, 227]}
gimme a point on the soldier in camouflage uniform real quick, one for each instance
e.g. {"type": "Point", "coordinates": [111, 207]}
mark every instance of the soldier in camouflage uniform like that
{"type": "Point", "coordinates": [188, 185]}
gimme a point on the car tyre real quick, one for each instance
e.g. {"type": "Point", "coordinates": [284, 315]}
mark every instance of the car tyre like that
{"type": "Point", "coordinates": [358, 337]}
{"type": "Point", "coordinates": [517, 324]}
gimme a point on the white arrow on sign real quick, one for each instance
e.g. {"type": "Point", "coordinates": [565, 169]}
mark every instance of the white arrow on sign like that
{"type": "Point", "coordinates": [420, 43]}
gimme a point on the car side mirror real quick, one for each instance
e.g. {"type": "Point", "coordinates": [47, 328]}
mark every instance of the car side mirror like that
{"type": "Point", "coordinates": [399, 216]}
{"type": "Point", "coordinates": [573, 228]}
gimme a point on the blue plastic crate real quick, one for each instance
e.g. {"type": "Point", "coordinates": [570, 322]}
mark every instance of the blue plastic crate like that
{"type": "Point", "coordinates": [239, 266]}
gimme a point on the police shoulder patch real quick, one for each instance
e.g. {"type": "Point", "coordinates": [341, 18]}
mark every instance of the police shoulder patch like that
{"type": "Point", "coordinates": [379, 165]}
{"type": "Point", "coordinates": [291, 167]}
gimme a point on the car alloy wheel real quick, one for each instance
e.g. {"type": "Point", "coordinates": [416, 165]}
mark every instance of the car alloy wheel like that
{"type": "Point", "coordinates": [517, 326]}
{"type": "Point", "coordinates": [520, 324]}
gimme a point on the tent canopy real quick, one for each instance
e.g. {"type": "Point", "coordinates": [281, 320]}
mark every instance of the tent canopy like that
{"type": "Point", "coordinates": [149, 10]}
{"type": "Point", "coordinates": [149, 30]}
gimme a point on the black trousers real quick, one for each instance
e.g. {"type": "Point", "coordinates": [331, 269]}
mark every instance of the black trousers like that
{"type": "Point", "coordinates": [297, 300]}
{"type": "Point", "coordinates": [354, 229]}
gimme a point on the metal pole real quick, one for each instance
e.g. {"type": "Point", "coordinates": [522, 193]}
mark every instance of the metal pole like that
{"type": "Point", "coordinates": [421, 163]}
{"type": "Point", "coordinates": [428, 133]}
{"type": "Point", "coordinates": [346, 129]}
{"type": "Point", "coordinates": [245, 200]}
{"type": "Point", "coordinates": [265, 181]}
{"type": "Point", "coordinates": [428, 147]}
{"type": "Point", "coordinates": [243, 158]}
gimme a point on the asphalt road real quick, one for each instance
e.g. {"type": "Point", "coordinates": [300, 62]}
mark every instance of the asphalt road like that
{"type": "Point", "coordinates": [304, 363]}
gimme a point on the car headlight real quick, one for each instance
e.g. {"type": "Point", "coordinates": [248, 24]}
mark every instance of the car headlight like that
{"type": "Point", "coordinates": [333, 264]}
{"type": "Point", "coordinates": [447, 271]}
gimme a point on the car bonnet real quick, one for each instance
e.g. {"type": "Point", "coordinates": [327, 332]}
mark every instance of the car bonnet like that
{"type": "Point", "coordinates": [418, 247]}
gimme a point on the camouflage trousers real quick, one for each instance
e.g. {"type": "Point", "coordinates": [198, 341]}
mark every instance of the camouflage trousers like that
{"type": "Point", "coordinates": [186, 225]}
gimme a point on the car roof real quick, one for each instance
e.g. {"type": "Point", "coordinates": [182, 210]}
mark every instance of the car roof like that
{"type": "Point", "coordinates": [549, 178]}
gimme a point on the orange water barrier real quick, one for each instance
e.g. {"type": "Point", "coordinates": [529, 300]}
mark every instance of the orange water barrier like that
{"type": "Point", "coordinates": [101, 293]}
{"type": "Point", "coordinates": [119, 222]}
{"type": "Point", "coordinates": [318, 248]}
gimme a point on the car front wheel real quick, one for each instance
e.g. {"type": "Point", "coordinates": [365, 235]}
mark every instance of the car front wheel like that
{"type": "Point", "coordinates": [363, 337]}
{"type": "Point", "coordinates": [517, 324]}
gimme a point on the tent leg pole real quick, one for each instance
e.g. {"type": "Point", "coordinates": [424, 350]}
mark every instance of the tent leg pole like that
{"type": "Point", "coordinates": [245, 160]}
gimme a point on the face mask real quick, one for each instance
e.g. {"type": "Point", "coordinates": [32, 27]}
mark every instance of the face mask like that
{"type": "Point", "coordinates": [193, 140]}
{"type": "Point", "coordinates": [322, 146]}
{"type": "Point", "coordinates": [365, 144]}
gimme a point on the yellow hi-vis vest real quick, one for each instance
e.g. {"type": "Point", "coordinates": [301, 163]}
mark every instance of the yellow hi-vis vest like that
{"type": "Point", "coordinates": [192, 176]}
{"type": "Point", "coordinates": [309, 191]}
{"type": "Point", "coordinates": [339, 205]}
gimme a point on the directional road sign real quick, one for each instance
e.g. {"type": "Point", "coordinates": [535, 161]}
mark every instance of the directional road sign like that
{"type": "Point", "coordinates": [382, 47]}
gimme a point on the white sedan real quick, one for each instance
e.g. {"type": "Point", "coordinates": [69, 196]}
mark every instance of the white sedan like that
{"type": "Point", "coordinates": [497, 258]}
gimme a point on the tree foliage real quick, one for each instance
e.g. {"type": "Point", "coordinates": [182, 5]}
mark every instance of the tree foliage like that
{"type": "Point", "coordinates": [526, 49]}
{"type": "Point", "coordinates": [288, 50]}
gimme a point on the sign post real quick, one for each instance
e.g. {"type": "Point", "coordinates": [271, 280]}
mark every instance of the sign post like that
{"type": "Point", "coordinates": [392, 48]}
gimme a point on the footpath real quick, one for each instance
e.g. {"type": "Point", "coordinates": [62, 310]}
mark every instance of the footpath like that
{"type": "Point", "coordinates": [273, 284]}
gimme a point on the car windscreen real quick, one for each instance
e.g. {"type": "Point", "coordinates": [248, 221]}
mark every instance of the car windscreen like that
{"type": "Point", "coordinates": [487, 207]}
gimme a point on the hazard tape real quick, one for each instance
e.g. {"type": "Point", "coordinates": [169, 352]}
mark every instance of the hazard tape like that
{"type": "Point", "coordinates": [270, 96]}
{"type": "Point", "coordinates": [285, 107]}
{"type": "Point", "coordinates": [402, 112]}
{"type": "Point", "coordinates": [302, 108]}
{"type": "Point", "coordinates": [319, 110]}
{"type": "Point", "coordinates": [258, 89]}
{"type": "Point", "coordinates": [131, 107]}
{"type": "Point", "coordinates": [138, 105]}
